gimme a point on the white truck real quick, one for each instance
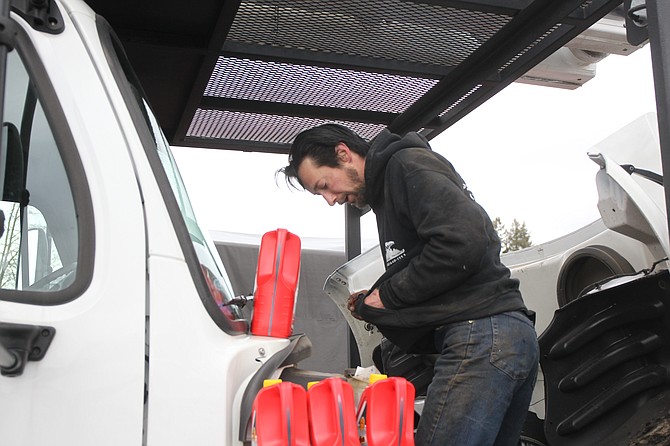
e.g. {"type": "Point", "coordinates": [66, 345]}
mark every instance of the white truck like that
{"type": "Point", "coordinates": [118, 324]}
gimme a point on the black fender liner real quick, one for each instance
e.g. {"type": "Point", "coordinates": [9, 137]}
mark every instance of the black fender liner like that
{"type": "Point", "coordinates": [605, 356]}
{"type": "Point", "coordinates": [298, 348]}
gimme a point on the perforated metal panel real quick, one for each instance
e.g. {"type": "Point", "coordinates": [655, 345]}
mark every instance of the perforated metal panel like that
{"type": "Point", "coordinates": [257, 80]}
{"type": "Point", "coordinates": [259, 127]}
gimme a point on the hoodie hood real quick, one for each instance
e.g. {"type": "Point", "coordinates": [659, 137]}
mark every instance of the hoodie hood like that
{"type": "Point", "coordinates": [382, 149]}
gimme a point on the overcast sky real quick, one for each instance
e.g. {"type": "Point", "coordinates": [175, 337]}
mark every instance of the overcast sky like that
{"type": "Point", "coordinates": [523, 154]}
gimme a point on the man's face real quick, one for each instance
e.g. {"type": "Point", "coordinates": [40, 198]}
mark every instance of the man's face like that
{"type": "Point", "coordinates": [337, 185]}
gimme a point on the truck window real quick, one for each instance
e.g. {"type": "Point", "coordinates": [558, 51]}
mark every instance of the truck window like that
{"type": "Point", "coordinates": [39, 245]}
{"type": "Point", "coordinates": [219, 285]}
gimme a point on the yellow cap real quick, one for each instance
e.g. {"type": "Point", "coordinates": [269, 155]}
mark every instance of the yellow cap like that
{"type": "Point", "coordinates": [374, 377]}
{"type": "Point", "coordinates": [311, 383]}
{"type": "Point", "coordinates": [270, 382]}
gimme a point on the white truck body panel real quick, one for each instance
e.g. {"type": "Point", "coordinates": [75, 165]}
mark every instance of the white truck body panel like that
{"type": "Point", "coordinates": [91, 381]}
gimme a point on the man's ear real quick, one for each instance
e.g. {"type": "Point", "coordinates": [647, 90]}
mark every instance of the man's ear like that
{"type": "Point", "coordinates": [343, 152]}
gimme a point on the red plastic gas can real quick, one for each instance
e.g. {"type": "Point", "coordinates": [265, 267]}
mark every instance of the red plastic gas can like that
{"type": "Point", "coordinates": [332, 413]}
{"type": "Point", "coordinates": [279, 416]}
{"type": "Point", "coordinates": [277, 276]}
{"type": "Point", "coordinates": [385, 413]}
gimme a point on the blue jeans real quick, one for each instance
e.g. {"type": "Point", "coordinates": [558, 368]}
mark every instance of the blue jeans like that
{"type": "Point", "coordinates": [482, 383]}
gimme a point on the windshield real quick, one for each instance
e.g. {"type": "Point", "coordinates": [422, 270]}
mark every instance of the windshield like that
{"type": "Point", "coordinates": [211, 264]}
{"type": "Point", "coordinates": [206, 266]}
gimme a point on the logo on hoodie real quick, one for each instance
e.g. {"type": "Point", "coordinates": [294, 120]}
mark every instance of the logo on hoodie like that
{"type": "Point", "coordinates": [392, 253]}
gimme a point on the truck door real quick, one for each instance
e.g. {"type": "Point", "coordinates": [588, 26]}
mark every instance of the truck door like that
{"type": "Point", "coordinates": [72, 254]}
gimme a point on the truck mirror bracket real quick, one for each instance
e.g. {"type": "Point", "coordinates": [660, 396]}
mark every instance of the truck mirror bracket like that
{"type": "Point", "coordinates": [42, 15]}
{"type": "Point", "coordinates": [25, 343]}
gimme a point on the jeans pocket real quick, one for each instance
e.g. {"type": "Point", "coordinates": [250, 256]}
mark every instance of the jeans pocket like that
{"type": "Point", "coordinates": [514, 351]}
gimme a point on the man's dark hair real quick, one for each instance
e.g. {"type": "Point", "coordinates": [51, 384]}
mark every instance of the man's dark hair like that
{"type": "Point", "coordinates": [319, 143]}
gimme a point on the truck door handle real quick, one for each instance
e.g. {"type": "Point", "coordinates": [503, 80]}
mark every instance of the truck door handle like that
{"type": "Point", "coordinates": [20, 343]}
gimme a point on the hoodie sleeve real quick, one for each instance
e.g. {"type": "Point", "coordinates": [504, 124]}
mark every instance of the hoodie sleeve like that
{"type": "Point", "coordinates": [454, 228]}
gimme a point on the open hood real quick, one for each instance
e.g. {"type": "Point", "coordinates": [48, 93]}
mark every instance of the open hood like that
{"type": "Point", "coordinates": [630, 186]}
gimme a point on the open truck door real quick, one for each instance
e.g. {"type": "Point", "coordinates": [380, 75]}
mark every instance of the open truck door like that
{"type": "Point", "coordinates": [72, 302]}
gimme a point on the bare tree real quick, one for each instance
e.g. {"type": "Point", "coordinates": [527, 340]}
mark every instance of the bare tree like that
{"type": "Point", "coordinates": [10, 244]}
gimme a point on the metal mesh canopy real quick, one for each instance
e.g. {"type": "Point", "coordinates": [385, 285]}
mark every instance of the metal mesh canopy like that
{"type": "Point", "coordinates": [250, 75]}
{"type": "Point", "coordinates": [392, 30]}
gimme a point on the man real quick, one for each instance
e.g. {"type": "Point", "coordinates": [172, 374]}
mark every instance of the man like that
{"type": "Point", "coordinates": [444, 290]}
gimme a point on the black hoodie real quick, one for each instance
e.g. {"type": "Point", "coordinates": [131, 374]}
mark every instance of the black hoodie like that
{"type": "Point", "coordinates": [441, 252]}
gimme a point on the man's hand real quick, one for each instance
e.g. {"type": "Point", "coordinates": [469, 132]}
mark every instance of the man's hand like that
{"type": "Point", "coordinates": [373, 300]}
{"type": "Point", "coordinates": [351, 303]}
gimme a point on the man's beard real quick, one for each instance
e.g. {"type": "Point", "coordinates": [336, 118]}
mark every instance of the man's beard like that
{"type": "Point", "coordinates": [358, 188]}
